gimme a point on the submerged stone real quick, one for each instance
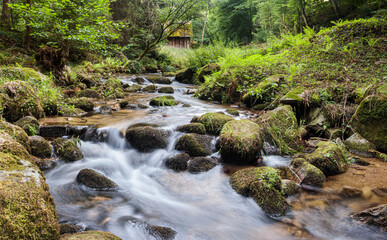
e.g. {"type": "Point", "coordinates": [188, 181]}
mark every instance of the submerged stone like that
{"type": "Point", "coordinates": [146, 139]}
{"type": "Point", "coordinates": [201, 164]}
{"type": "Point", "coordinates": [178, 162]}
{"type": "Point", "coordinates": [95, 180]}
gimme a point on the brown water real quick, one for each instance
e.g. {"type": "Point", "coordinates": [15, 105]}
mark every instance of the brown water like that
{"type": "Point", "coordinates": [196, 206]}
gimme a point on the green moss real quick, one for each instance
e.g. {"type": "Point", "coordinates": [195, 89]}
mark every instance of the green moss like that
{"type": "Point", "coordinates": [88, 235]}
{"type": "Point", "coordinates": [262, 92]}
{"type": "Point", "coordinates": [240, 141]}
{"type": "Point", "coordinates": [83, 103]}
{"type": "Point", "coordinates": [134, 88]}
{"type": "Point", "coordinates": [123, 103]}
{"type": "Point", "coordinates": [159, 79]}
{"type": "Point", "coordinates": [207, 70]}
{"type": "Point", "coordinates": [70, 111]}
{"type": "Point", "coordinates": [16, 133]}
{"type": "Point", "coordinates": [21, 73]}
{"type": "Point", "coordinates": [232, 111]}
{"type": "Point", "coordinates": [358, 145]}
{"type": "Point", "coordinates": [150, 88]}
{"type": "Point", "coordinates": [89, 93]}
{"type": "Point", "coordinates": [166, 90]}
{"type": "Point", "coordinates": [307, 173]}
{"type": "Point", "coordinates": [370, 120]}
{"type": "Point", "coordinates": [169, 74]}
{"type": "Point", "coordinates": [192, 128]}
{"type": "Point", "coordinates": [281, 129]}
{"type": "Point", "coordinates": [294, 94]}
{"type": "Point", "coordinates": [213, 122]}
{"type": "Point", "coordinates": [201, 164]}
{"type": "Point", "coordinates": [195, 145]}
{"type": "Point", "coordinates": [40, 147]}
{"type": "Point", "coordinates": [163, 101]}
{"type": "Point", "coordinates": [67, 149]}
{"type": "Point", "coordinates": [29, 124]}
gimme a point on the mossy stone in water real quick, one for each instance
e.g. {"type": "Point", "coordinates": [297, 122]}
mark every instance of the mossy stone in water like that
{"type": "Point", "coordinates": [240, 141]}
{"type": "Point", "coordinates": [83, 103]}
{"type": "Point", "coordinates": [194, 144]}
{"type": "Point", "coordinates": [162, 233]}
{"type": "Point", "coordinates": [166, 90]}
{"type": "Point", "coordinates": [19, 100]}
{"type": "Point", "coordinates": [329, 158]}
{"type": "Point", "coordinates": [307, 173]}
{"type": "Point", "coordinates": [89, 93]}
{"type": "Point", "coordinates": [192, 128]}
{"type": "Point", "coordinates": [358, 145]}
{"type": "Point", "coordinates": [67, 149]}
{"type": "Point", "coordinates": [159, 79]}
{"type": "Point", "coordinates": [90, 235]}
{"type": "Point", "coordinates": [95, 180]}
{"type": "Point", "coordinates": [213, 122]}
{"type": "Point", "coordinates": [163, 101]}
{"type": "Point", "coordinates": [16, 133]}
{"type": "Point", "coordinates": [289, 188]}
{"type": "Point", "coordinates": [264, 185]}
{"type": "Point", "coordinates": [232, 111]}
{"type": "Point", "coordinates": [146, 139]}
{"type": "Point", "coordinates": [201, 164]}
{"type": "Point", "coordinates": [29, 124]}
{"type": "Point", "coordinates": [40, 147]}
{"type": "Point", "coordinates": [370, 122]}
{"type": "Point", "coordinates": [150, 88]}
{"type": "Point", "coordinates": [133, 88]}
{"type": "Point", "coordinates": [178, 162]}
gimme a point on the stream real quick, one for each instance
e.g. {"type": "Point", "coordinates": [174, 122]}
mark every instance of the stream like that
{"type": "Point", "coordinates": [196, 206]}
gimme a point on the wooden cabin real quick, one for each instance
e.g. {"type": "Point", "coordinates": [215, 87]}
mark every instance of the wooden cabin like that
{"type": "Point", "coordinates": [181, 38]}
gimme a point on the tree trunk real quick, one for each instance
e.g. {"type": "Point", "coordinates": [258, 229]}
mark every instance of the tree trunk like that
{"type": "Point", "coordinates": [205, 23]}
{"type": "Point", "coordinates": [302, 10]}
{"type": "Point", "coordinates": [6, 15]}
{"type": "Point", "coordinates": [28, 30]}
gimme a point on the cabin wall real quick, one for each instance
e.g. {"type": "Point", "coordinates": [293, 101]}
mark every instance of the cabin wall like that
{"type": "Point", "coordinates": [179, 42]}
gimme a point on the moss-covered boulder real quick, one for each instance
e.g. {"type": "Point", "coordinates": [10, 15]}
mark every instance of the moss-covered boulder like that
{"type": "Point", "coordinates": [163, 101]}
{"type": "Point", "coordinates": [281, 129]}
{"type": "Point", "coordinates": [86, 104]}
{"type": "Point", "coordinates": [70, 111]}
{"type": "Point", "coordinates": [16, 133]}
{"type": "Point", "coordinates": [240, 141]}
{"type": "Point", "coordinates": [263, 92]}
{"type": "Point", "coordinates": [90, 235]}
{"type": "Point", "coordinates": [69, 229]}
{"type": "Point", "coordinates": [19, 99]}
{"type": "Point", "coordinates": [192, 128]}
{"type": "Point", "coordinates": [134, 88]}
{"type": "Point", "coordinates": [307, 173]}
{"type": "Point", "coordinates": [166, 90]}
{"type": "Point", "coordinates": [208, 70]}
{"type": "Point", "coordinates": [289, 187]}
{"type": "Point", "coordinates": [146, 139]}
{"type": "Point", "coordinates": [150, 88]}
{"type": "Point", "coordinates": [67, 149]}
{"type": "Point", "coordinates": [232, 111]}
{"type": "Point", "coordinates": [178, 162]}
{"type": "Point", "coordinates": [95, 180]}
{"type": "Point", "coordinates": [40, 147]}
{"type": "Point", "coordinates": [264, 185]}
{"type": "Point", "coordinates": [159, 79]}
{"type": "Point", "coordinates": [376, 216]}
{"type": "Point", "coordinates": [162, 233]}
{"type": "Point", "coordinates": [89, 93]}
{"type": "Point", "coordinates": [186, 76]}
{"type": "Point", "coordinates": [123, 103]}
{"type": "Point", "coordinates": [194, 144]}
{"type": "Point", "coordinates": [213, 122]}
{"type": "Point", "coordinates": [29, 124]}
{"type": "Point", "coordinates": [27, 210]}
{"type": "Point", "coordinates": [201, 164]}
{"type": "Point", "coordinates": [356, 144]}
{"type": "Point", "coordinates": [329, 158]}
{"type": "Point", "coordinates": [299, 96]}
{"type": "Point", "coordinates": [369, 120]}
{"type": "Point", "coordinates": [168, 69]}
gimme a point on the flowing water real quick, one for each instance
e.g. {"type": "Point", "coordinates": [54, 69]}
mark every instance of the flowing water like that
{"type": "Point", "coordinates": [196, 206]}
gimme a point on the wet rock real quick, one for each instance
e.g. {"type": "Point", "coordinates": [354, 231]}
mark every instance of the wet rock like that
{"type": "Point", "coordinates": [178, 162]}
{"type": "Point", "coordinates": [82, 103]}
{"type": "Point", "coordinates": [186, 105]}
{"type": "Point", "coordinates": [232, 111]}
{"type": "Point", "coordinates": [69, 229]}
{"type": "Point", "coordinates": [358, 145]}
{"type": "Point", "coordinates": [142, 106]}
{"type": "Point", "coordinates": [139, 80]}
{"type": "Point", "coordinates": [105, 109]}
{"type": "Point", "coordinates": [146, 139]}
{"type": "Point", "coordinates": [289, 188]}
{"type": "Point", "coordinates": [53, 131]}
{"type": "Point", "coordinates": [208, 70]}
{"type": "Point", "coordinates": [44, 163]}
{"type": "Point", "coordinates": [360, 162]}
{"type": "Point", "coordinates": [150, 88]}
{"type": "Point", "coordinates": [16, 133]}
{"type": "Point", "coordinates": [194, 144]}
{"type": "Point", "coordinates": [159, 79]}
{"type": "Point", "coordinates": [40, 147]}
{"type": "Point", "coordinates": [162, 233]}
{"type": "Point", "coordinates": [213, 122]}
{"type": "Point", "coordinates": [123, 103]}
{"type": "Point", "coordinates": [350, 192]}
{"type": "Point", "coordinates": [264, 185]}
{"type": "Point", "coordinates": [26, 206]}
{"type": "Point", "coordinates": [381, 192]}
{"type": "Point", "coordinates": [166, 90]}
{"type": "Point", "coordinates": [19, 99]}
{"type": "Point", "coordinates": [169, 74]}
{"type": "Point", "coordinates": [95, 180]}
{"type": "Point", "coordinates": [135, 88]}
{"type": "Point", "coordinates": [90, 235]}
{"type": "Point", "coordinates": [89, 93]}
{"type": "Point", "coordinates": [163, 101]}
{"type": "Point", "coordinates": [29, 124]}
{"type": "Point", "coordinates": [186, 76]}
{"type": "Point", "coordinates": [67, 111]}
{"type": "Point", "coordinates": [329, 158]}
{"type": "Point", "coordinates": [281, 129]}
{"type": "Point", "coordinates": [201, 164]}
{"type": "Point", "coordinates": [67, 149]}
{"type": "Point", "coordinates": [240, 141]}
{"type": "Point", "coordinates": [307, 173]}
{"type": "Point", "coordinates": [376, 216]}
{"type": "Point", "coordinates": [370, 120]}
{"type": "Point", "coordinates": [192, 128]}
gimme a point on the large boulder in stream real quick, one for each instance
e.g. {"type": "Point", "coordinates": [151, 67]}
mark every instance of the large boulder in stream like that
{"type": "Point", "coordinates": [29, 124]}
{"type": "Point", "coordinates": [146, 139]}
{"type": "Point", "coordinates": [194, 144]}
{"type": "Point", "coordinates": [186, 76]}
{"type": "Point", "coordinates": [376, 216]}
{"type": "Point", "coordinates": [178, 162]}
{"type": "Point", "coordinates": [307, 173]}
{"type": "Point", "coordinates": [17, 133]}
{"type": "Point", "coordinates": [201, 164]}
{"type": "Point", "coordinates": [192, 128]}
{"type": "Point", "coordinates": [83, 103]}
{"type": "Point", "coordinates": [90, 235]}
{"type": "Point", "coordinates": [27, 210]}
{"type": "Point", "coordinates": [264, 185]}
{"type": "Point", "coordinates": [356, 144]}
{"type": "Point", "coordinates": [163, 101]}
{"type": "Point", "coordinates": [240, 141]}
{"type": "Point", "coordinates": [166, 90]}
{"type": "Point", "coordinates": [213, 122]}
{"type": "Point", "coordinates": [40, 147]}
{"type": "Point", "coordinates": [95, 180]}
{"type": "Point", "coordinates": [159, 79]}
{"type": "Point", "coordinates": [369, 120]}
{"type": "Point", "coordinates": [67, 149]}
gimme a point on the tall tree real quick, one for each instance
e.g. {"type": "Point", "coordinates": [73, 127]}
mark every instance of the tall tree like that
{"type": "Point", "coordinates": [6, 15]}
